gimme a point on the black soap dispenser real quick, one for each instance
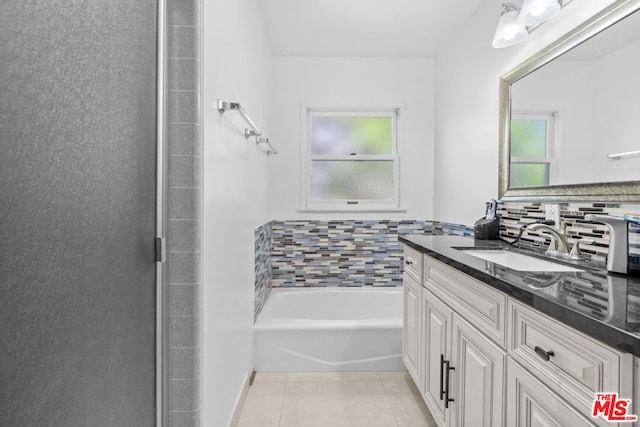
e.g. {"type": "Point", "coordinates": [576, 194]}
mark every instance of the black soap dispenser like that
{"type": "Point", "coordinates": [488, 228]}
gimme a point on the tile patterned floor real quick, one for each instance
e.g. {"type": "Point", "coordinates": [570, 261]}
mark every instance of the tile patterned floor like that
{"type": "Point", "coordinates": [334, 399]}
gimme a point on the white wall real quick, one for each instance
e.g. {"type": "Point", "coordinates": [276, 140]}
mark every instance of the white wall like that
{"type": "Point", "coordinates": [566, 87]}
{"type": "Point", "coordinates": [466, 134]}
{"type": "Point", "coordinates": [235, 185]}
{"type": "Point", "coordinates": [618, 110]}
{"type": "Point", "coordinates": [346, 82]}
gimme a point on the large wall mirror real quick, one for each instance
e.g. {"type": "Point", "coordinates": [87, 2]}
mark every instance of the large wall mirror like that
{"type": "Point", "coordinates": [570, 115]}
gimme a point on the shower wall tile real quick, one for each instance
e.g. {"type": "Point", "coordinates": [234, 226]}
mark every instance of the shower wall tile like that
{"type": "Point", "coordinates": [184, 135]}
{"type": "Point", "coordinates": [184, 331]}
{"type": "Point", "coordinates": [184, 419]}
{"type": "Point", "coordinates": [340, 253]}
{"type": "Point", "coordinates": [185, 395]}
{"type": "Point", "coordinates": [184, 267]}
{"type": "Point", "coordinates": [184, 139]}
{"type": "Point", "coordinates": [184, 106]}
{"type": "Point", "coordinates": [183, 74]}
{"type": "Point", "coordinates": [184, 363]}
{"type": "Point", "coordinates": [184, 235]}
{"type": "Point", "coordinates": [184, 171]}
{"type": "Point", "coordinates": [183, 12]}
{"type": "Point", "coordinates": [184, 300]}
{"type": "Point", "coordinates": [184, 203]}
{"type": "Point", "coordinates": [184, 41]}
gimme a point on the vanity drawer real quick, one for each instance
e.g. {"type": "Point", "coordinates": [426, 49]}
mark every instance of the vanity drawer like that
{"type": "Point", "coordinates": [480, 304]}
{"type": "Point", "coordinates": [413, 263]}
{"type": "Point", "coordinates": [577, 367]}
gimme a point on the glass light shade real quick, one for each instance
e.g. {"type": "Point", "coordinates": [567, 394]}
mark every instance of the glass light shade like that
{"type": "Point", "coordinates": [509, 32]}
{"type": "Point", "coordinates": [535, 12]}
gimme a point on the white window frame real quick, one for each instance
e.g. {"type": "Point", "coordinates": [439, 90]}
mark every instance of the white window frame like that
{"type": "Point", "coordinates": [551, 117]}
{"type": "Point", "coordinates": [344, 204]}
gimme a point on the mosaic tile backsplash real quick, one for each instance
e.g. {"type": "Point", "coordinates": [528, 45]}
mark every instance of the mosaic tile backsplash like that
{"type": "Point", "coordinates": [340, 252]}
{"type": "Point", "coordinates": [262, 258]}
{"type": "Point", "coordinates": [576, 227]}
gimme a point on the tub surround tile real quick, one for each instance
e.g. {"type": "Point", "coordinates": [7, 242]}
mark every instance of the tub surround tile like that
{"type": "Point", "coordinates": [339, 253]}
{"type": "Point", "coordinates": [184, 171]}
{"type": "Point", "coordinates": [183, 12]}
{"type": "Point", "coordinates": [262, 266]}
{"type": "Point", "coordinates": [183, 267]}
{"type": "Point", "coordinates": [184, 203]}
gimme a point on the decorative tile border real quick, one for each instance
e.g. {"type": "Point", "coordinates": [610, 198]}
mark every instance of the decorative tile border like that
{"type": "Point", "coordinates": [339, 253]}
{"type": "Point", "coordinates": [572, 219]}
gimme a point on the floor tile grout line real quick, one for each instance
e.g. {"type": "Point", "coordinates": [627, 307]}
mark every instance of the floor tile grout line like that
{"type": "Point", "coordinates": [386, 396]}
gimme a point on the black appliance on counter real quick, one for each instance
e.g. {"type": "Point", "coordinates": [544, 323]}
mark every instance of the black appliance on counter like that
{"type": "Point", "coordinates": [488, 228]}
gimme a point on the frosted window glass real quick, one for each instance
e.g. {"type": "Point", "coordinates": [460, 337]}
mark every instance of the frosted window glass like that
{"type": "Point", "coordinates": [352, 180]}
{"type": "Point", "coordinates": [529, 174]}
{"type": "Point", "coordinates": [529, 138]}
{"type": "Point", "coordinates": [351, 135]}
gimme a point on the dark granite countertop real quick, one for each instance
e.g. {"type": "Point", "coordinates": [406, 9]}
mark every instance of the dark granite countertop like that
{"type": "Point", "coordinates": [602, 305]}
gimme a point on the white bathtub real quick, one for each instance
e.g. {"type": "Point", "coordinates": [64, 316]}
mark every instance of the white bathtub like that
{"type": "Point", "coordinates": [330, 329]}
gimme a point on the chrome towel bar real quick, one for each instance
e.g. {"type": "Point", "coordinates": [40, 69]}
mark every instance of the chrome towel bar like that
{"type": "Point", "coordinates": [270, 149]}
{"type": "Point", "coordinates": [253, 129]}
{"type": "Point", "coordinates": [621, 155]}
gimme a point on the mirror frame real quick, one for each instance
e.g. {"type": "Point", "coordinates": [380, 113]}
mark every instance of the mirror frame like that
{"type": "Point", "coordinates": [622, 191]}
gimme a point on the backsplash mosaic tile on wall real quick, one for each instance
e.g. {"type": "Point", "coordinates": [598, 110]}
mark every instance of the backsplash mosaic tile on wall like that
{"type": "Point", "coordinates": [340, 252]}
{"type": "Point", "coordinates": [574, 223]}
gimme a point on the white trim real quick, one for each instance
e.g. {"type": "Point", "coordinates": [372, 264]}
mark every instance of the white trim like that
{"type": "Point", "coordinates": [237, 408]}
{"type": "Point", "coordinates": [306, 159]}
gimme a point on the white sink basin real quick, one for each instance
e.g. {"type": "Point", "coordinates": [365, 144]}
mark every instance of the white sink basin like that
{"type": "Point", "coordinates": [519, 262]}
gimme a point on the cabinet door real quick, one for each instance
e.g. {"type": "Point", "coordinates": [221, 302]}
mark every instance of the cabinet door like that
{"type": "Point", "coordinates": [411, 337]}
{"type": "Point", "coordinates": [531, 404]}
{"type": "Point", "coordinates": [476, 384]}
{"type": "Point", "coordinates": [436, 318]}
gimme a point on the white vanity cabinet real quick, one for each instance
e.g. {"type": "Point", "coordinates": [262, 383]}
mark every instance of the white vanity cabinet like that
{"type": "Point", "coordinates": [463, 368]}
{"type": "Point", "coordinates": [412, 342]}
{"type": "Point", "coordinates": [481, 358]}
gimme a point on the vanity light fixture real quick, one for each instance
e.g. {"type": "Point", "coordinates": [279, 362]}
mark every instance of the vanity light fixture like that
{"type": "Point", "coordinates": [509, 31]}
{"type": "Point", "coordinates": [535, 12]}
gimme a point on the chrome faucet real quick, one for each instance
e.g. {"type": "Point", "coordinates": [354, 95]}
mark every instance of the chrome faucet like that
{"type": "Point", "coordinates": [557, 238]}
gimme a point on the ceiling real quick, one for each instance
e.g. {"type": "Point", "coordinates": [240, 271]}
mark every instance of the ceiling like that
{"type": "Point", "coordinates": [370, 28]}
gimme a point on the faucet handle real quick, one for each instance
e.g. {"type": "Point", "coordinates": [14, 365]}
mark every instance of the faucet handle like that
{"type": "Point", "coordinates": [552, 250]}
{"type": "Point", "coordinates": [575, 251]}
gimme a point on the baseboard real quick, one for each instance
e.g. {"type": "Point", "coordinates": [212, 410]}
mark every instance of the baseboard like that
{"type": "Point", "coordinates": [237, 409]}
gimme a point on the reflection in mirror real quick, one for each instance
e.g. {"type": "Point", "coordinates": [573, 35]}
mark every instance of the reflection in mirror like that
{"type": "Point", "coordinates": [594, 90]}
{"type": "Point", "coordinates": [567, 112]}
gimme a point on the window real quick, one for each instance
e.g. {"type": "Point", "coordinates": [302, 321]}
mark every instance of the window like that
{"type": "Point", "coordinates": [532, 145]}
{"type": "Point", "coordinates": [351, 160]}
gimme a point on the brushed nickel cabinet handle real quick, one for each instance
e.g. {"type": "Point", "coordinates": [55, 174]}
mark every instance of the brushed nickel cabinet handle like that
{"type": "Point", "coordinates": [545, 355]}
